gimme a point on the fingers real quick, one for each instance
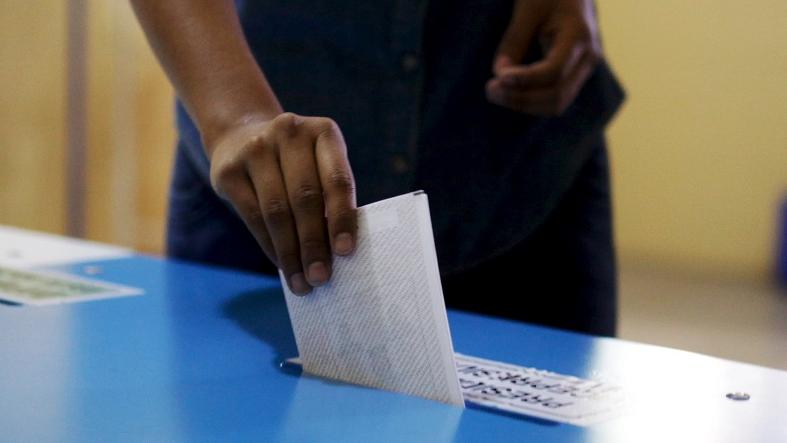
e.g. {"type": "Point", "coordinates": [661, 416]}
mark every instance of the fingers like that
{"type": "Point", "coordinates": [517, 37]}
{"type": "Point", "coordinates": [305, 194]}
{"type": "Point", "coordinates": [290, 181]}
{"type": "Point", "coordinates": [552, 70]}
{"type": "Point", "coordinates": [544, 102]}
{"type": "Point", "coordinates": [240, 191]}
{"type": "Point", "coordinates": [274, 205]}
{"type": "Point", "coordinates": [549, 100]}
{"type": "Point", "coordinates": [546, 87]}
{"type": "Point", "coordinates": [338, 187]}
{"type": "Point", "coordinates": [565, 52]}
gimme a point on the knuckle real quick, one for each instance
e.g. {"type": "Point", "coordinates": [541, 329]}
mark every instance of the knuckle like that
{"type": "Point", "coordinates": [286, 124]}
{"type": "Point", "coordinates": [341, 181]}
{"type": "Point", "coordinates": [307, 196]}
{"type": "Point", "coordinates": [342, 215]}
{"type": "Point", "coordinates": [254, 216]}
{"type": "Point", "coordinates": [276, 211]}
{"type": "Point", "coordinates": [327, 125]}
{"type": "Point", "coordinates": [256, 146]}
{"type": "Point", "coordinates": [223, 176]}
{"type": "Point", "coordinates": [256, 142]}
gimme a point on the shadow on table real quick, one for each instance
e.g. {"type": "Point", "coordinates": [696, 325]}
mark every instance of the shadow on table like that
{"type": "Point", "coordinates": [263, 314]}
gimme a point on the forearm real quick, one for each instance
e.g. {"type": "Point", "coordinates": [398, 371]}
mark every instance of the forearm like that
{"type": "Point", "coordinates": [201, 46]}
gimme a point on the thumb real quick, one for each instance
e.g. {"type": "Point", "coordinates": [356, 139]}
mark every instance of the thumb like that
{"type": "Point", "coordinates": [517, 37]}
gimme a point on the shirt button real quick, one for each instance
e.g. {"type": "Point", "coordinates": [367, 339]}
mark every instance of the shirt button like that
{"type": "Point", "coordinates": [410, 62]}
{"type": "Point", "coordinates": [399, 164]}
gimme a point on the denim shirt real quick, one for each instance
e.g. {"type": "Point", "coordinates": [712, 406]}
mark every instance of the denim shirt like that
{"type": "Point", "coordinates": [404, 79]}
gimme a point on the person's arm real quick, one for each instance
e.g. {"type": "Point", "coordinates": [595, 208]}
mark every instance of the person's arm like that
{"type": "Point", "coordinates": [282, 172]}
{"type": "Point", "coordinates": [569, 32]}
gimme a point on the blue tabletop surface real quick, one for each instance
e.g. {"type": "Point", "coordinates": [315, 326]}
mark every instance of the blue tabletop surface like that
{"type": "Point", "coordinates": [198, 358]}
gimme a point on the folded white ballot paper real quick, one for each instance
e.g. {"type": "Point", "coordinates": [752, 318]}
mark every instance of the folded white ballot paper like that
{"type": "Point", "coordinates": [381, 321]}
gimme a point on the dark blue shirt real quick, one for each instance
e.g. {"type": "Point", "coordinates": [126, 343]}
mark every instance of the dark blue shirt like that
{"type": "Point", "coordinates": [405, 82]}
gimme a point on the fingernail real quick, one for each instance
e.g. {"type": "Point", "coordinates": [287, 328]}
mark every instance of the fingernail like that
{"type": "Point", "coordinates": [343, 243]}
{"type": "Point", "coordinates": [299, 284]}
{"type": "Point", "coordinates": [318, 273]}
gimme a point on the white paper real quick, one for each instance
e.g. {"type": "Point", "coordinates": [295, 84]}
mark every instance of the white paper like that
{"type": "Point", "coordinates": [21, 248]}
{"type": "Point", "coordinates": [381, 321]}
{"type": "Point", "coordinates": [40, 288]}
{"type": "Point", "coordinates": [536, 392]}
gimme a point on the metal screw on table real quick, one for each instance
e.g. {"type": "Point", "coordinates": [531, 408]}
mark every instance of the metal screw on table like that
{"type": "Point", "coordinates": [738, 396]}
{"type": "Point", "coordinates": [92, 270]}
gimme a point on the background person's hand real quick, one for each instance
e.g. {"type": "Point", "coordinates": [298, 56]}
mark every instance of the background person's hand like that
{"type": "Point", "coordinates": [290, 181]}
{"type": "Point", "coordinates": [568, 32]}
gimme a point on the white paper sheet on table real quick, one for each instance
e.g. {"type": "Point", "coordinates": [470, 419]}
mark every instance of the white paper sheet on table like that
{"type": "Point", "coordinates": [534, 392]}
{"type": "Point", "coordinates": [21, 248]}
{"type": "Point", "coordinates": [537, 392]}
{"type": "Point", "coordinates": [23, 252]}
{"type": "Point", "coordinates": [39, 288]}
{"type": "Point", "coordinates": [381, 321]}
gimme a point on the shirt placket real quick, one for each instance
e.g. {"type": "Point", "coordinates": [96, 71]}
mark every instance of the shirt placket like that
{"type": "Point", "coordinates": [406, 61]}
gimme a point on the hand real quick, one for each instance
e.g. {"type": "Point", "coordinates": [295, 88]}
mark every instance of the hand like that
{"type": "Point", "coordinates": [284, 176]}
{"type": "Point", "coordinates": [568, 31]}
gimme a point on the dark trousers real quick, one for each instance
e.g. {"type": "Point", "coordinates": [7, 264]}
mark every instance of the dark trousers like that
{"type": "Point", "coordinates": [563, 275]}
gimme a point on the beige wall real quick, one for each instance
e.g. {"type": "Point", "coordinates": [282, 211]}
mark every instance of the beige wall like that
{"type": "Point", "coordinates": [32, 127]}
{"type": "Point", "coordinates": [700, 150]}
{"type": "Point", "coordinates": [131, 135]}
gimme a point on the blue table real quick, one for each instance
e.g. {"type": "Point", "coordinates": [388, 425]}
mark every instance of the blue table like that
{"type": "Point", "coordinates": [197, 358]}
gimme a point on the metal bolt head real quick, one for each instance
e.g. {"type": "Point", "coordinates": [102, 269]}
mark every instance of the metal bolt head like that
{"type": "Point", "coordinates": [92, 270]}
{"type": "Point", "coordinates": [738, 396]}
